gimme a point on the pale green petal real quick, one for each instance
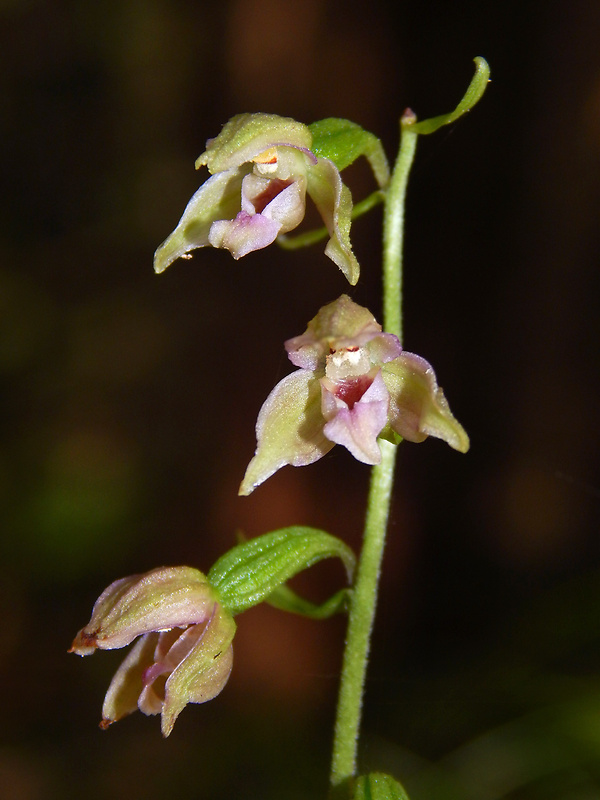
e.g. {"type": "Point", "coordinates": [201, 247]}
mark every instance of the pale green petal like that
{"type": "Point", "coordinates": [246, 136]}
{"type": "Point", "coordinates": [218, 198]}
{"type": "Point", "coordinates": [418, 407]}
{"type": "Point", "coordinates": [203, 673]}
{"type": "Point", "coordinates": [334, 201]}
{"type": "Point", "coordinates": [289, 429]}
{"type": "Point", "coordinates": [163, 598]}
{"type": "Point", "coordinates": [126, 686]}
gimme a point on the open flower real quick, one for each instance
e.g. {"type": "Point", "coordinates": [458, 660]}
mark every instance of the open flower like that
{"type": "Point", "coordinates": [355, 384]}
{"type": "Point", "coordinates": [184, 653]}
{"type": "Point", "coordinates": [262, 167]}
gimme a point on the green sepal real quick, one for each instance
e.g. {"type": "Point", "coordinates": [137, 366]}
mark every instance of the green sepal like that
{"type": "Point", "coordinates": [246, 135]}
{"type": "Point", "coordinates": [342, 142]}
{"type": "Point", "coordinates": [250, 572]}
{"type": "Point", "coordinates": [472, 96]}
{"type": "Point", "coordinates": [378, 786]}
{"type": "Point", "coordinates": [285, 599]}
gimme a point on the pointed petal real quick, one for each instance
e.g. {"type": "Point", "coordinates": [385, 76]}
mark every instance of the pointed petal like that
{"type": "Point", "coordinates": [85, 643]}
{"type": "Point", "coordinates": [334, 201]}
{"type": "Point", "coordinates": [126, 686]}
{"type": "Point", "coordinates": [418, 407]}
{"type": "Point", "coordinates": [217, 198]}
{"type": "Point", "coordinates": [167, 597]}
{"type": "Point", "coordinates": [357, 428]}
{"type": "Point", "coordinates": [203, 672]}
{"type": "Point", "coordinates": [289, 429]}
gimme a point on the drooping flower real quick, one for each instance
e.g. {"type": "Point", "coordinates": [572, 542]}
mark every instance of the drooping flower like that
{"type": "Point", "coordinates": [262, 168]}
{"type": "Point", "coordinates": [355, 384]}
{"type": "Point", "coordinates": [184, 652]}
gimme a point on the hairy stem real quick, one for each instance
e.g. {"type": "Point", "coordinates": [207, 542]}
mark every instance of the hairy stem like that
{"type": "Point", "coordinates": [364, 595]}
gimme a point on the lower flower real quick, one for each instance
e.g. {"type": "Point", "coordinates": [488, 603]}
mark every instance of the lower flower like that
{"type": "Point", "coordinates": [184, 653]}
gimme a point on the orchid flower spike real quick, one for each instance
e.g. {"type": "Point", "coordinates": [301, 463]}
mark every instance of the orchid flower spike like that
{"type": "Point", "coordinates": [184, 652]}
{"type": "Point", "coordinates": [262, 168]}
{"type": "Point", "coordinates": [355, 384]}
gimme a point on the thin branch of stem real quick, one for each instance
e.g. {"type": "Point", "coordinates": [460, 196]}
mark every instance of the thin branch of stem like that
{"type": "Point", "coordinates": [312, 237]}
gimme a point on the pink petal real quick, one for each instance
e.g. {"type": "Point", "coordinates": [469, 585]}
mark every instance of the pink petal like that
{"type": "Point", "coordinates": [164, 598]}
{"type": "Point", "coordinates": [244, 234]}
{"type": "Point", "coordinates": [356, 425]}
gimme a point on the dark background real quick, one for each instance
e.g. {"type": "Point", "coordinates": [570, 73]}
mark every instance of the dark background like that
{"type": "Point", "coordinates": [128, 400]}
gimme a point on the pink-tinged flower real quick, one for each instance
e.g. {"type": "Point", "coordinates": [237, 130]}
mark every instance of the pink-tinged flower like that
{"type": "Point", "coordinates": [355, 384]}
{"type": "Point", "coordinates": [262, 168]}
{"type": "Point", "coordinates": [184, 652]}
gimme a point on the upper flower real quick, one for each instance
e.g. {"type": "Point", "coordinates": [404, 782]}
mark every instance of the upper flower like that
{"type": "Point", "coordinates": [262, 167]}
{"type": "Point", "coordinates": [184, 654]}
{"type": "Point", "coordinates": [355, 384]}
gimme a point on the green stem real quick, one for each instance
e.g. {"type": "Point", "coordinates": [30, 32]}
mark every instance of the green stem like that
{"type": "Point", "coordinates": [360, 622]}
{"type": "Point", "coordinates": [364, 595]}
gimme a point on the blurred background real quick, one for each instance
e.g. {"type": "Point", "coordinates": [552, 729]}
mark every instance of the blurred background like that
{"type": "Point", "coordinates": [128, 400]}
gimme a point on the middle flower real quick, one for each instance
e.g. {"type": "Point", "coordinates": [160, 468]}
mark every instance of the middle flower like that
{"type": "Point", "coordinates": [354, 384]}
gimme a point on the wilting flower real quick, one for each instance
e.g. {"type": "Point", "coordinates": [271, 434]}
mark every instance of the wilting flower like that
{"type": "Point", "coordinates": [184, 654]}
{"type": "Point", "coordinates": [262, 167]}
{"type": "Point", "coordinates": [355, 384]}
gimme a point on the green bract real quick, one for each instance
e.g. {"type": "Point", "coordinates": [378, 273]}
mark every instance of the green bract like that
{"type": "Point", "coordinates": [250, 572]}
{"type": "Point", "coordinates": [343, 142]}
{"type": "Point", "coordinates": [285, 599]}
{"type": "Point", "coordinates": [378, 786]}
{"type": "Point", "coordinates": [471, 96]}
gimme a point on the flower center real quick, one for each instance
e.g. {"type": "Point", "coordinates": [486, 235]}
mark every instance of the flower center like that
{"type": "Point", "coordinates": [267, 161]}
{"type": "Point", "coordinates": [351, 391]}
{"type": "Point", "coordinates": [347, 362]}
{"type": "Point", "coordinates": [274, 187]}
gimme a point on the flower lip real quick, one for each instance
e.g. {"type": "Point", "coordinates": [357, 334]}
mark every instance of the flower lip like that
{"type": "Point", "coordinates": [356, 412]}
{"type": "Point", "coordinates": [352, 390]}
